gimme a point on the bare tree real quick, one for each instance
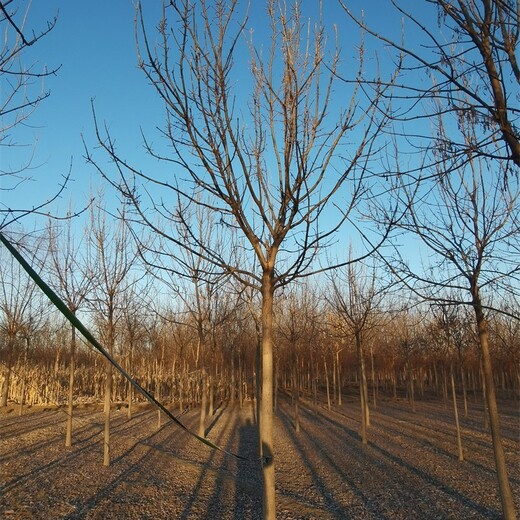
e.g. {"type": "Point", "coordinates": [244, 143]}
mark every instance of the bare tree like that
{"type": "Point", "coordinates": [109, 270]}
{"type": "Point", "coordinates": [267, 153]}
{"type": "Point", "coordinates": [18, 297]}
{"type": "Point", "coordinates": [296, 314]}
{"type": "Point", "coordinates": [356, 299]}
{"type": "Point", "coordinates": [72, 284]}
{"type": "Point", "coordinates": [469, 219]}
{"type": "Point", "coordinates": [468, 51]}
{"type": "Point", "coordinates": [446, 323]}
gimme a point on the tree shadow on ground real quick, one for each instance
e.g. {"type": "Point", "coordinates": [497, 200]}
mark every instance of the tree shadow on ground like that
{"type": "Point", "coordinates": [415, 480]}
{"type": "Point", "coordinates": [300, 441]}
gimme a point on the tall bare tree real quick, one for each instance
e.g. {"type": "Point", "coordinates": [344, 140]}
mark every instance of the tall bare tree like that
{"type": "Point", "coordinates": [109, 269]}
{"type": "Point", "coordinates": [267, 151]}
{"type": "Point", "coordinates": [72, 284]}
{"type": "Point", "coordinates": [469, 219]}
{"type": "Point", "coordinates": [356, 299]}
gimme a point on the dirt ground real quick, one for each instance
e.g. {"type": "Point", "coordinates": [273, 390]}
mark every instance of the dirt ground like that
{"type": "Point", "coordinates": [409, 470]}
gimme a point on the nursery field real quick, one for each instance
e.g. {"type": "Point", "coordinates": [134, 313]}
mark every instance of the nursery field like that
{"type": "Point", "coordinates": [409, 469]}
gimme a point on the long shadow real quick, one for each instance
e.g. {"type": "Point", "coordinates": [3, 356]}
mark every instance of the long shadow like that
{"type": "Point", "coordinates": [25, 424]}
{"type": "Point", "coordinates": [35, 472]}
{"type": "Point", "coordinates": [216, 417]}
{"type": "Point", "coordinates": [423, 475]}
{"type": "Point", "coordinates": [484, 511]}
{"type": "Point", "coordinates": [241, 476]}
{"type": "Point", "coordinates": [82, 444]}
{"type": "Point", "coordinates": [108, 490]}
{"type": "Point", "coordinates": [135, 467]}
{"type": "Point", "coordinates": [195, 494]}
{"type": "Point", "coordinates": [88, 430]}
{"type": "Point", "coordinates": [336, 509]}
{"type": "Point", "coordinates": [245, 502]}
{"type": "Point", "coordinates": [80, 436]}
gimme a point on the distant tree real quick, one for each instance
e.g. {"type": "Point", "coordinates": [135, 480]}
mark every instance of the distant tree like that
{"type": "Point", "coordinates": [446, 324]}
{"type": "Point", "coordinates": [109, 268]}
{"type": "Point", "coordinates": [19, 313]}
{"type": "Point", "coordinates": [69, 279]}
{"type": "Point", "coordinates": [356, 299]}
{"type": "Point", "coordinates": [295, 323]}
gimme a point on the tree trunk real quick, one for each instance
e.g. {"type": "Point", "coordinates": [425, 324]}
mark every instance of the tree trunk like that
{"type": "Point", "coordinates": [363, 392]}
{"type": "Point", "coordinates": [456, 415]}
{"type": "Point", "coordinates": [327, 384]}
{"type": "Point", "coordinates": [7, 371]}
{"type": "Point", "coordinates": [464, 390]}
{"type": "Point", "coordinates": [70, 397]}
{"type": "Point", "coordinates": [108, 394]}
{"type": "Point", "coordinates": [339, 378]}
{"type": "Point", "coordinates": [266, 420]}
{"type": "Point", "coordinates": [296, 396]}
{"type": "Point", "coordinates": [203, 404]}
{"type": "Point", "coordinates": [23, 371]}
{"type": "Point", "coordinates": [374, 382]}
{"type": "Point", "coordinates": [494, 421]}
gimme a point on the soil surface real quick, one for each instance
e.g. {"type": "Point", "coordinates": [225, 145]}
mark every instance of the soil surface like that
{"type": "Point", "coordinates": [408, 470]}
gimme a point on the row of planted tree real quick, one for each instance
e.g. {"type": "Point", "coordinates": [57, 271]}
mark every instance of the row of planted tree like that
{"type": "Point", "coordinates": [185, 358]}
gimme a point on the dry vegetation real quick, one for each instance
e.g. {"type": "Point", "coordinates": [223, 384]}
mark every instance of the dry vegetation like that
{"type": "Point", "coordinates": [408, 470]}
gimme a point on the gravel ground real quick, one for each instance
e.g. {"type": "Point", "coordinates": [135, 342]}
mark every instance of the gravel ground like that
{"type": "Point", "coordinates": [409, 470]}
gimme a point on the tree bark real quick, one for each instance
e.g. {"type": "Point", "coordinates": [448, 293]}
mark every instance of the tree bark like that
{"type": "Point", "coordinates": [456, 415]}
{"type": "Point", "coordinates": [70, 397]}
{"type": "Point", "coordinates": [503, 481]}
{"type": "Point", "coordinates": [266, 420]}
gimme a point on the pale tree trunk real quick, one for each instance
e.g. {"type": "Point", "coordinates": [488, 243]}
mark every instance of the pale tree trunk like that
{"type": "Point", "coordinates": [211, 396]}
{"type": "Point", "coordinates": [411, 389]}
{"type": "Point", "coordinates": [203, 403]}
{"type": "Point", "coordinates": [327, 384]}
{"type": "Point", "coordinates": [7, 371]}
{"type": "Point", "coordinates": [240, 383]}
{"type": "Point", "coordinates": [506, 496]}
{"type": "Point", "coordinates": [106, 437]}
{"type": "Point", "coordinates": [266, 416]}
{"type": "Point", "coordinates": [296, 395]}
{"type": "Point", "coordinates": [363, 393]}
{"type": "Point", "coordinates": [334, 394]}
{"type": "Point", "coordinates": [158, 384]}
{"type": "Point", "coordinates": [456, 415]}
{"type": "Point", "coordinates": [129, 386]}
{"type": "Point", "coordinates": [108, 394]}
{"type": "Point", "coordinates": [232, 384]}
{"type": "Point", "coordinates": [464, 390]}
{"type": "Point", "coordinates": [374, 382]}
{"type": "Point", "coordinates": [24, 377]}
{"type": "Point", "coordinates": [70, 397]}
{"type": "Point", "coordinates": [339, 378]}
